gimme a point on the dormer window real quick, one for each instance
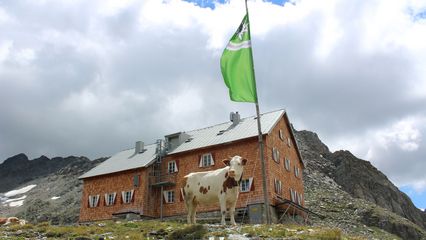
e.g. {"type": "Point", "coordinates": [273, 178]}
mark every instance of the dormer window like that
{"type": "Point", "coordinates": [206, 160]}
{"type": "Point", "coordinates": [172, 167]}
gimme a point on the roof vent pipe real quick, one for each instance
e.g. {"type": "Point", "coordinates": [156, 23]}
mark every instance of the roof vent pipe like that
{"type": "Point", "coordinates": [139, 147]}
{"type": "Point", "coordinates": [235, 118]}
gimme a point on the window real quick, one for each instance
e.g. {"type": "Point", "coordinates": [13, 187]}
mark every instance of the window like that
{"type": "Point", "coordinates": [278, 186]}
{"type": "Point", "coordinates": [110, 198]}
{"type": "Point", "coordinates": [296, 171]}
{"type": "Point", "coordinates": [246, 185]}
{"type": "Point", "coordinates": [299, 199]}
{"type": "Point", "coordinates": [292, 195]}
{"type": "Point", "coordinates": [169, 196]}
{"type": "Point", "coordinates": [287, 164]}
{"type": "Point", "coordinates": [281, 135]}
{"type": "Point", "coordinates": [172, 167]}
{"type": "Point", "coordinates": [206, 160]}
{"type": "Point", "coordinates": [93, 201]}
{"type": "Point", "coordinates": [276, 154]}
{"type": "Point", "coordinates": [136, 180]}
{"type": "Point", "coordinates": [127, 196]}
{"type": "Point", "coordinates": [289, 142]}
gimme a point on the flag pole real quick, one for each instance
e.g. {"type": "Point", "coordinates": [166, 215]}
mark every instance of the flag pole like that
{"type": "Point", "coordinates": [261, 144]}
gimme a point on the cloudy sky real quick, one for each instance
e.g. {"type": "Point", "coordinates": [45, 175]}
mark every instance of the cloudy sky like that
{"type": "Point", "coordinates": [92, 77]}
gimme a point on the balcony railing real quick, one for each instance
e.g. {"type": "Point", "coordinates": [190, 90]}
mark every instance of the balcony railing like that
{"type": "Point", "coordinates": [162, 180]}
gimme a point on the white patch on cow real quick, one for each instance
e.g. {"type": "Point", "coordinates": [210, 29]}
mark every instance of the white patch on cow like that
{"type": "Point", "coordinates": [20, 191]}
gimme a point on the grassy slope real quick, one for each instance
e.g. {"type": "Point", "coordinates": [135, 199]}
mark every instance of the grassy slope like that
{"type": "Point", "coordinates": [175, 230]}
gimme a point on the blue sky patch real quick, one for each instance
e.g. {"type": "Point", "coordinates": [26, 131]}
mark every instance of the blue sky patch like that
{"type": "Point", "coordinates": [419, 199]}
{"type": "Point", "coordinates": [211, 3]}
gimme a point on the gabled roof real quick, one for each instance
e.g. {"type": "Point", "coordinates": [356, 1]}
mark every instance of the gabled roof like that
{"type": "Point", "coordinates": [124, 160]}
{"type": "Point", "coordinates": [246, 128]}
{"type": "Point", "coordinates": [200, 138]}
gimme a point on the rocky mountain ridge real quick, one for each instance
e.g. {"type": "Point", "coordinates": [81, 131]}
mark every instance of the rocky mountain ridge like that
{"type": "Point", "coordinates": [351, 193]}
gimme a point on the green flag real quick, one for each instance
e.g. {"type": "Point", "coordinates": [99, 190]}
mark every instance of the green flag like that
{"type": "Point", "coordinates": [236, 64]}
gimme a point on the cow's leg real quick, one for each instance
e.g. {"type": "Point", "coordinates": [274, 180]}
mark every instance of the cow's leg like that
{"type": "Point", "coordinates": [222, 202]}
{"type": "Point", "coordinates": [193, 213]}
{"type": "Point", "coordinates": [232, 211]}
{"type": "Point", "coordinates": [188, 204]}
{"type": "Point", "coordinates": [189, 208]}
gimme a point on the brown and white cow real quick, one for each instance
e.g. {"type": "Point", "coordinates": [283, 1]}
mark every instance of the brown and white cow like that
{"type": "Point", "coordinates": [12, 220]}
{"type": "Point", "coordinates": [212, 186]}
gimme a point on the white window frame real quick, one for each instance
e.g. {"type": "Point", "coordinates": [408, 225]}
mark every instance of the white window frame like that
{"type": "Point", "coordinates": [206, 159]}
{"type": "Point", "coordinates": [169, 196]}
{"type": "Point", "coordinates": [171, 169]}
{"type": "Point", "coordinates": [110, 198]}
{"type": "Point", "coordinates": [245, 185]}
{"type": "Point", "coordinates": [287, 164]}
{"type": "Point", "coordinates": [288, 141]}
{"type": "Point", "coordinates": [296, 171]}
{"type": "Point", "coordinates": [93, 201]}
{"type": "Point", "coordinates": [276, 154]}
{"type": "Point", "coordinates": [127, 196]}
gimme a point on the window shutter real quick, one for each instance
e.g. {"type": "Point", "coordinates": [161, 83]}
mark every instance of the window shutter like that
{"type": "Point", "coordinates": [165, 196]}
{"type": "Point", "coordinates": [113, 198]}
{"type": "Point", "coordinates": [251, 185]}
{"type": "Point", "coordinates": [123, 193]}
{"type": "Point", "coordinates": [89, 203]}
{"type": "Point", "coordinates": [97, 201]}
{"type": "Point", "coordinates": [106, 199]}
{"type": "Point", "coordinates": [200, 159]}
{"type": "Point", "coordinates": [132, 197]}
{"type": "Point", "coordinates": [177, 165]}
{"type": "Point", "coordinates": [213, 157]}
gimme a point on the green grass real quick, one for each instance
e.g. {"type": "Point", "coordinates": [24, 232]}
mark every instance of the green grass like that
{"type": "Point", "coordinates": [170, 230]}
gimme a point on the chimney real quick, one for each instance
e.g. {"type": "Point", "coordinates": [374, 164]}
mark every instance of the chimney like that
{"type": "Point", "coordinates": [139, 147]}
{"type": "Point", "coordinates": [235, 118]}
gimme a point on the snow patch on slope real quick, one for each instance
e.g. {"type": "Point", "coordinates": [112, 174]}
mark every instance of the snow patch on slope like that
{"type": "Point", "coordinates": [20, 191]}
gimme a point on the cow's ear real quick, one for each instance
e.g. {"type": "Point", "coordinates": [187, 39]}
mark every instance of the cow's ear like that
{"type": "Point", "coordinates": [226, 162]}
{"type": "Point", "coordinates": [244, 161]}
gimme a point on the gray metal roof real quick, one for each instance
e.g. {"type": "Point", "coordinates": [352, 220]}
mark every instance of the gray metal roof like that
{"type": "Point", "coordinates": [200, 138]}
{"type": "Point", "coordinates": [124, 160]}
{"type": "Point", "coordinates": [245, 129]}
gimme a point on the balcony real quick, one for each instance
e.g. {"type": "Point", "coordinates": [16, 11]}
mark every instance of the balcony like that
{"type": "Point", "coordinates": [162, 180]}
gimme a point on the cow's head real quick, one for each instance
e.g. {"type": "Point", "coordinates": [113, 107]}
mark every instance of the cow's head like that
{"type": "Point", "coordinates": [236, 166]}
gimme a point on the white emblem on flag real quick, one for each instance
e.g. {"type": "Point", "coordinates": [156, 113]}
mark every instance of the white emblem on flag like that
{"type": "Point", "coordinates": [242, 31]}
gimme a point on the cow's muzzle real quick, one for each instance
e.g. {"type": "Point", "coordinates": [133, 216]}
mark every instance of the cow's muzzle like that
{"type": "Point", "coordinates": [231, 173]}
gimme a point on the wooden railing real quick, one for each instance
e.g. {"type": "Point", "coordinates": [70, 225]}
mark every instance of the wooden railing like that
{"type": "Point", "coordinates": [163, 180]}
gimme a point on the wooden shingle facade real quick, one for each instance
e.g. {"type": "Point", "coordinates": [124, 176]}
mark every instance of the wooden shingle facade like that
{"type": "Point", "coordinates": [146, 181]}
